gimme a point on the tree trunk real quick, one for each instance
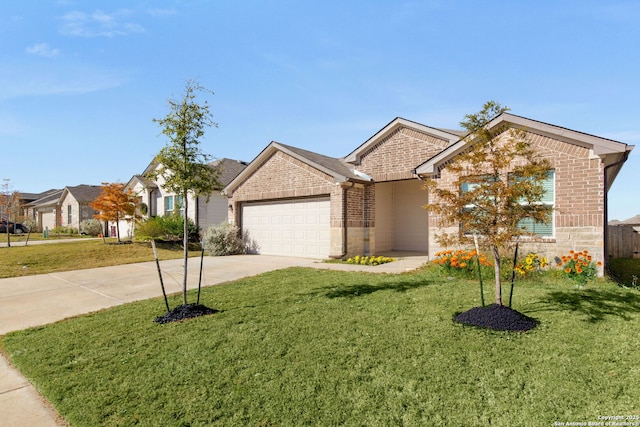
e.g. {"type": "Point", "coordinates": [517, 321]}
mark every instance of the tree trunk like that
{"type": "Point", "coordinates": [498, 276]}
{"type": "Point", "coordinates": [185, 242]}
{"type": "Point", "coordinates": [8, 233]}
{"type": "Point", "coordinates": [118, 227]}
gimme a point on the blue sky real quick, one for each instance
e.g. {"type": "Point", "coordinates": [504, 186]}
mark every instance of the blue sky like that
{"type": "Point", "coordinates": [81, 81]}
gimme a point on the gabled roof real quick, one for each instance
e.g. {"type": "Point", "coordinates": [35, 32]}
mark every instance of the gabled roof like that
{"type": "Point", "coordinates": [147, 183]}
{"type": "Point", "coordinates": [48, 198]}
{"type": "Point", "coordinates": [29, 197]}
{"type": "Point", "coordinates": [398, 122]}
{"type": "Point", "coordinates": [82, 193]}
{"type": "Point", "coordinates": [229, 169]}
{"type": "Point", "coordinates": [337, 168]}
{"type": "Point", "coordinates": [609, 150]}
{"type": "Point", "coordinates": [631, 221]}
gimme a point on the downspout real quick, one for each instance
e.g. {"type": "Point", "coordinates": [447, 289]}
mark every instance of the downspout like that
{"type": "Point", "coordinates": [365, 225]}
{"type": "Point", "coordinates": [605, 260]}
{"type": "Point", "coordinates": [345, 212]}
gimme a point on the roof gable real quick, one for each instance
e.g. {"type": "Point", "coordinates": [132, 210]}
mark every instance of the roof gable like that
{"type": "Point", "coordinates": [82, 193]}
{"type": "Point", "coordinates": [48, 198]}
{"type": "Point", "coordinates": [631, 221]}
{"type": "Point", "coordinates": [336, 168]}
{"type": "Point", "coordinates": [444, 134]}
{"type": "Point", "coordinates": [229, 169]}
{"type": "Point", "coordinates": [610, 151]}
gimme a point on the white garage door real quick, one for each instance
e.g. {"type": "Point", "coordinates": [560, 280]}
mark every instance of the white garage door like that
{"type": "Point", "coordinates": [289, 228]}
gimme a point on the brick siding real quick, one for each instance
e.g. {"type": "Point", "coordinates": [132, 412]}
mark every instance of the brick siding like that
{"type": "Point", "coordinates": [396, 156]}
{"type": "Point", "coordinates": [579, 199]}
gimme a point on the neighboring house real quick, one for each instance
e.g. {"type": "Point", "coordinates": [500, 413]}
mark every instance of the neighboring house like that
{"type": "Point", "coordinates": [633, 221]}
{"type": "Point", "coordinates": [300, 203]}
{"type": "Point", "coordinates": [45, 210]}
{"type": "Point", "coordinates": [156, 201]}
{"type": "Point", "coordinates": [74, 204]}
{"type": "Point", "coordinates": [67, 207]}
{"type": "Point", "coordinates": [25, 200]}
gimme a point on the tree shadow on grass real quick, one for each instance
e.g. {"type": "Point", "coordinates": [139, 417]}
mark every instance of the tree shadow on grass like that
{"type": "Point", "coordinates": [358, 290]}
{"type": "Point", "coordinates": [596, 305]}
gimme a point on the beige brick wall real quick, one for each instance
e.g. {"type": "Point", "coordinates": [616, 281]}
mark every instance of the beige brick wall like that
{"type": "Point", "coordinates": [579, 204]}
{"type": "Point", "coordinates": [396, 156]}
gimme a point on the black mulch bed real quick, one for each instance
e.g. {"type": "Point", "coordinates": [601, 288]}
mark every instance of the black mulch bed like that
{"type": "Point", "coordinates": [497, 317]}
{"type": "Point", "coordinates": [185, 312]}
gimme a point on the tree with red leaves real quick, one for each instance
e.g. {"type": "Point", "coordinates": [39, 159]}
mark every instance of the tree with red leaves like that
{"type": "Point", "coordinates": [114, 204]}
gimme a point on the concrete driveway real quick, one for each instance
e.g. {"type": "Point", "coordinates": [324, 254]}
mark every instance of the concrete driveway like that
{"type": "Point", "coordinates": [37, 300]}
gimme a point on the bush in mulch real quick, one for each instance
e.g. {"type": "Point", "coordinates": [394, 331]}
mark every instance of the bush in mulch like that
{"type": "Point", "coordinates": [185, 312]}
{"type": "Point", "coordinates": [496, 317]}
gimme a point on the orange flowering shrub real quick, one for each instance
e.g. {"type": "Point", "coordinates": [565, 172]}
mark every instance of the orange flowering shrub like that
{"type": "Point", "coordinates": [460, 261]}
{"type": "Point", "coordinates": [579, 267]}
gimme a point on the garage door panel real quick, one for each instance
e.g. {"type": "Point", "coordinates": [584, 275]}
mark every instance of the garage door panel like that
{"type": "Point", "coordinates": [291, 228]}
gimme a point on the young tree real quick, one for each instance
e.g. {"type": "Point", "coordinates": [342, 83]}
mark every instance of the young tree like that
{"type": "Point", "coordinates": [114, 204]}
{"type": "Point", "coordinates": [182, 164]}
{"type": "Point", "coordinates": [499, 184]}
{"type": "Point", "coordinates": [9, 206]}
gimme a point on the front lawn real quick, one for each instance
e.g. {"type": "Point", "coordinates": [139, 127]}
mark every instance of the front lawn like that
{"type": "Point", "coordinates": [65, 256]}
{"type": "Point", "coordinates": [312, 347]}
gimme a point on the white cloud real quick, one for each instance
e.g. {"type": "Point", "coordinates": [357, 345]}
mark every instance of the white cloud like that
{"type": "Point", "coordinates": [99, 24]}
{"type": "Point", "coordinates": [42, 49]}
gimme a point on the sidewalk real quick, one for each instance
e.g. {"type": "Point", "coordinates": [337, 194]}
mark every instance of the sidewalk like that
{"type": "Point", "coordinates": [38, 300]}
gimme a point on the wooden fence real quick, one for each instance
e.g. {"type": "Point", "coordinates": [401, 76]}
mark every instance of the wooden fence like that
{"type": "Point", "coordinates": [624, 241]}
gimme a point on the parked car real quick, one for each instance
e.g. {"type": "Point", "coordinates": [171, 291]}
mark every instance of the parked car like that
{"type": "Point", "coordinates": [14, 227]}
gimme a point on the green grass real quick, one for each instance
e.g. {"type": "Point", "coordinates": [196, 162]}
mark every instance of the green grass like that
{"type": "Point", "coordinates": [310, 347]}
{"type": "Point", "coordinates": [626, 271]}
{"type": "Point", "coordinates": [55, 257]}
{"type": "Point", "coordinates": [37, 236]}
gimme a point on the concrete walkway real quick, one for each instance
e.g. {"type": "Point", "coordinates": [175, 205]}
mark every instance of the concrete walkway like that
{"type": "Point", "coordinates": [38, 300]}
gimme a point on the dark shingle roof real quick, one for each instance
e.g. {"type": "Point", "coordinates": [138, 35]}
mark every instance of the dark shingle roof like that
{"type": "Point", "coordinates": [144, 181]}
{"type": "Point", "coordinates": [631, 221]}
{"type": "Point", "coordinates": [229, 169]}
{"type": "Point", "coordinates": [47, 198]}
{"type": "Point", "coordinates": [337, 166]}
{"type": "Point", "coordinates": [85, 193]}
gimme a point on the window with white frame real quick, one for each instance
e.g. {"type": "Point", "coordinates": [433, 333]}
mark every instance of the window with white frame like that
{"type": "Point", "coordinates": [548, 199]}
{"type": "Point", "coordinates": [473, 184]}
{"type": "Point", "coordinates": [541, 229]}
{"type": "Point", "coordinates": [173, 205]}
